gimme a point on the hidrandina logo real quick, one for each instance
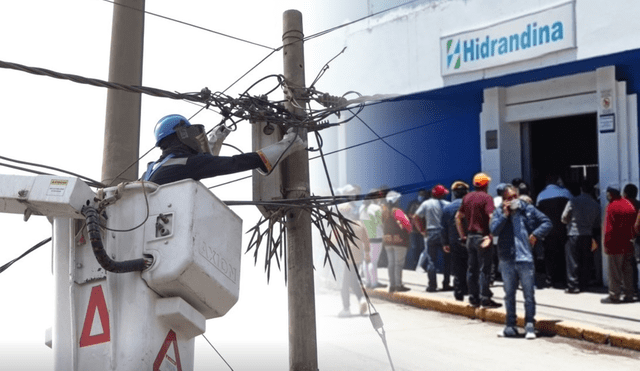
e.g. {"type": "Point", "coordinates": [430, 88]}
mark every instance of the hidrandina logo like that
{"type": "Point", "coordinates": [455, 54]}
{"type": "Point", "coordinates": [463, 52]}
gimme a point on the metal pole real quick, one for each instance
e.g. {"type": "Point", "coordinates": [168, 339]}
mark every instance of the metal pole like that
{"type": "Point", "coordinates": [122, 124]}
{"type": "Point", "coordinates": [303, 353]}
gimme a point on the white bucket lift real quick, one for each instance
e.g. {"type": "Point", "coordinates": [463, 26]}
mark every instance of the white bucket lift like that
{"type": "Point", "coordinates": [137, 320]}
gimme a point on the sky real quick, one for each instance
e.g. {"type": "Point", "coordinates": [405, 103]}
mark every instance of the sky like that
{"type": "Point", "coordinates": [61, 123]}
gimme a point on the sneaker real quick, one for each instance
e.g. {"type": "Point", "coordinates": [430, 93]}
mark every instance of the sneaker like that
{"type": "Point", "coordinates": [393, 289]}
{"type": "Point", "coordinates": [572, 290]}
{"type": "Point", "coordinates": [610, 300]}
{"type": "Point", "coordinates": [530, 331]}
{"type": "Point", "coordinates": [508, 332]}
{"type": "Point", "coordinates": [447, 288]}
{"type": "Point", "coordinates": [431, 289]}
{"type": "Point", "coordinates": [363, 306]}
{"type": "Point", "coordinates": [489, 303]}
{"type": "Point", "coordinates": [474, 302]}
{"type": "Point", "coordinates": [344, 313]}
{"type": "Point", "coordinates": [402, 288]}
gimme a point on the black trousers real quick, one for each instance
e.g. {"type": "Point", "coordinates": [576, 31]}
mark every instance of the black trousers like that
{"type": "Point", "coordinates": [459, 264]}
{"type": "Point", "coordinates": [578, 258]}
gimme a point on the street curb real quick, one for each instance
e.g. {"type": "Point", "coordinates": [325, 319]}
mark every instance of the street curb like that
{"type": "Point", "coordinates": [543, 325]}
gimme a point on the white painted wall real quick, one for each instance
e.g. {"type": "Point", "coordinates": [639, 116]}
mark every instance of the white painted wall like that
{"type": "Point", "coordinates": [398, 52]}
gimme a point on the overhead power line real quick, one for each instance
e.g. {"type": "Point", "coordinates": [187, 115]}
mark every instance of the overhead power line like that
{"type": "Point", "coordinates": [200, 97]}
{"type": "Point", "coordinates": [91, 182]}
{"type": "Point", "coordinates": [191, 25]}
{"type": "Point", "coordinates": [7, 265]}
{"type": "Point", "coordinates": [322, 33]}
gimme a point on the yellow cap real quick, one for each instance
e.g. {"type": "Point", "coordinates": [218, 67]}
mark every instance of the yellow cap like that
{"type": "Point", "coordinates": [481, 180]}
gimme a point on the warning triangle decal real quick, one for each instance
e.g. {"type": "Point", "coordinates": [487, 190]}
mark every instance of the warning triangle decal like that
{"type": "Point", "coordinates": [100, 332]}
{"type": "Point", "coordinates": [168, 358]}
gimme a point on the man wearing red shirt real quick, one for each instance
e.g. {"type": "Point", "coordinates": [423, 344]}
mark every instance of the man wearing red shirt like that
{"type": "Point", "coordinates": [618, 233]}
{"type": "Point", "coordinates": [472, 223]}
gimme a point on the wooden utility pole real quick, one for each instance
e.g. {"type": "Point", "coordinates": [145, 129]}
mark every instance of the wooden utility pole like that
{"type": "Point", "coordinates": [303, 352]}
{"type": "Point", "coordinates": [122, 124]}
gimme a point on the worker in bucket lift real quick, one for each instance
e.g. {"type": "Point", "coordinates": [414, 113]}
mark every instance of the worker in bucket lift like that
{"type": "Point", "coordinates": [188, 153]}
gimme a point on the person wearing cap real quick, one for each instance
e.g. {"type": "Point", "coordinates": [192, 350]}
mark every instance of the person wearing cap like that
{"type": "Point", "coordinates": [472, 223]}
{"type": "Point", "coordinates": [187, 153]}
{"type": "Point", "coordinates": [619, 221]}
{"type": "Point", "coordinates": [451, 240]}
{"type": "Point", "coordinates": [431, 210]}
{"type": "Point", "coordinates": [396, 227]}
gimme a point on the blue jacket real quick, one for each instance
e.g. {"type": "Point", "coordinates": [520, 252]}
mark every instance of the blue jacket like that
{"type": "Point", "coordinates": [449, 231]}
{"type": "Point", "coordinates": [513, 232]}
{"type": "Point", "coordinates": [180, 165]}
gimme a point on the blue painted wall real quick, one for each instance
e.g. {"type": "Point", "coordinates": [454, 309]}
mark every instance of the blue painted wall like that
{"type": "Point", "coordinates": [439, 131]}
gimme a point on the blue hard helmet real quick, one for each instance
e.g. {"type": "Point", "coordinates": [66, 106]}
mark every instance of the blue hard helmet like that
{"type": "Point", "coordinates": [166, 126]}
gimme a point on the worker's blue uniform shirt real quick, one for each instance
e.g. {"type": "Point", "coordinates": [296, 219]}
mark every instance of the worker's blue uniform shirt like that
{"type": "Point", "coordinates": [185, 165]}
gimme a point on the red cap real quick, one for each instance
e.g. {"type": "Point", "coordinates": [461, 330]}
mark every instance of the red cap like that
{"type": "Point", "coordinates": [439, 191]}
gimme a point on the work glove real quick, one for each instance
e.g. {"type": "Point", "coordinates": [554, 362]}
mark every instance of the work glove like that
{"type": "Point", "coordinates": [273, 154]}
{"type": "Point", "coordinates": [203, 143]}
{"type": "Point", "coordinates": [216, 137]}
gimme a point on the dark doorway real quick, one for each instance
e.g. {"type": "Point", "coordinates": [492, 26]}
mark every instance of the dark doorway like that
{"type": "Point", "coordinates": [565, 146]}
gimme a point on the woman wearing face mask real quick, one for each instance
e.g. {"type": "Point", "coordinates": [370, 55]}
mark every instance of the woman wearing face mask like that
{"type": "Point", "coordinates": [396, 228]}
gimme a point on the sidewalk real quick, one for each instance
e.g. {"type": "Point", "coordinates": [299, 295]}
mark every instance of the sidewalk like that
{"type": "Point", "coordinates": [579, 316]}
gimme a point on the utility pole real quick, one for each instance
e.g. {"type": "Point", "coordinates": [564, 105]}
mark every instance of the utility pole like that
{"type": "Point", "coordinates": [303, 353]}
{"type": "Point", "coordinates": [122, 124]}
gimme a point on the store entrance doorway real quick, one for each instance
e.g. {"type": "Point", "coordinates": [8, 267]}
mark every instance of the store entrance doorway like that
{"type": "Point", "coordinates": [562, 146]}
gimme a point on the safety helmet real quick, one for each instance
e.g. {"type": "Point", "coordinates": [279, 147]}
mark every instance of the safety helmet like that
{"type": "Point", "coordinates": [166, 126]}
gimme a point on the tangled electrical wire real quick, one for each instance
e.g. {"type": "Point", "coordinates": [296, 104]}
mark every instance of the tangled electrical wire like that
{"type": "Point", "coordinates": [259, 109]}
{"type": "Point", "coordinates": [336, 231]}
{"type": "Point", "coordinates": [256, 109]}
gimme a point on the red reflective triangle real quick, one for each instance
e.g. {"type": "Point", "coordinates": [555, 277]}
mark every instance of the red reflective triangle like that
{"type": "Point", "coordinates": [96, 300]}
{"type": "Point", "coordinates": [170, 339]}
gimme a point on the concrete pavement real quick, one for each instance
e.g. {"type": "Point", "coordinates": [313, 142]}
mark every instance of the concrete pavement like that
{"type": "Point", "coordinates": [579, 316]}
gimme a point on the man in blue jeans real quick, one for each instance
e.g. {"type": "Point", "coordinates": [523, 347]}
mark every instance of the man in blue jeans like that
{"type": "Point", "coordinates": [472, 223]}
{"type": "Point", "coordinates": [518, 226]}
{"type": "Point", "coordinates": [431, 209]}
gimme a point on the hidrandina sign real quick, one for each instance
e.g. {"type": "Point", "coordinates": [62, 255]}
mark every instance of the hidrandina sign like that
{"type": "Point", "coordinates": [518, 39]}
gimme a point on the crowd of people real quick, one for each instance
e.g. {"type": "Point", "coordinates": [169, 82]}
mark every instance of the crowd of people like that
{"type": "Point", "coordinates": [477, 238]}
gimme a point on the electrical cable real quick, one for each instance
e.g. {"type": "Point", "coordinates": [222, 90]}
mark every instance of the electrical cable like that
{"type": "Point", "coordinates": [24, 169]}
{"type": "Point", "coordinates": [133, 163]}
{"type": "Point", "coordinates": [214, 348]}
{"type": "Point", "coordinates": [146, 199]}
{"type": "Point", "coordinates": [36, 246]}
{"type": "Point", "coordinates": [95, 182]}
{"type": "Point", "coordinates": [322, 33]}
{"type": "Point", "coordinates": [189, 24]}
{"type": "Point", "coordinates": [348, 148]}
{"type": "Point", "coordinates": [392, 147]}
{"type": "Point", "coordinates": [251, 69]}
{"type": "Point", "coordinates": [234, 147]}
{"type": "Point", "coordinates": [200, 97]}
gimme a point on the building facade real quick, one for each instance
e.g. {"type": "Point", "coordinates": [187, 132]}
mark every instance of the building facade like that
{"type": "Point", "coordinates": [517, 89]}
